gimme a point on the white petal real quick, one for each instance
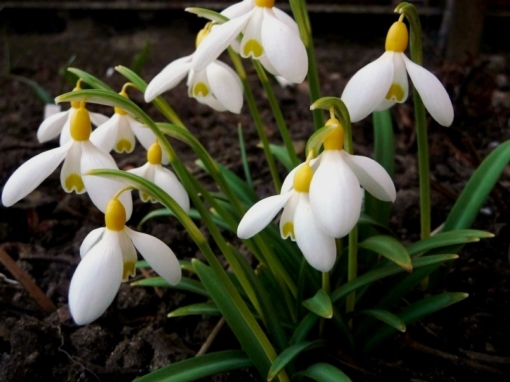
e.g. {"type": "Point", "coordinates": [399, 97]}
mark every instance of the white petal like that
{"type": "Point", "coordinates": [318, 248]}
{"type": "Point", "coordinates": [70, 175]}
{"type": "Point", "coordinates": [65, 134]}
{"type": "Point", "coordinates": [335, 195]}
{"type": "Point", "coordinates": [217, 41]}
{"type": "Point", "coordinates": [159, 256]}
{"type": "Point", "coordinates": [90, 240]}
{"type": "Point", "coordinates": [287, 217]}
{"type": "Point", "coordinates": [226, 86]}
{"type": "Point", "coordinates": [432, 92]}
{"type": "Point", "coordinates": [252, 34]}
{"type": "Point", "coordinates": [51, 109]}
{"type": "Point", "coordinates": [284, 48]}
{"type": "Point", "coordinates": [399, 83]}
{"type": "Point", "coordinates": [268, 66]}
{"type": "Point", "coordinates": [102, 190]}
{"type": "Point", "coordinates": [261, 214]}
{"type": "Point", "coordinates": [288, 182]}
{"type": "Point", "coordinates": [167, 180]}
{"type": "Point", "coordinates": [52, 126]}
{"type": "Point", "coordinates": [31, 174]}
{"type": "Point", "coordinates": [212, 103]}
{"type": "Point", "coordinates": [98, 119]}
{"type": "Point", "coordinates": [238, 9]}
{"type": "Point", "coordinates": [168, 78]}
{"type": "Point", "coordinates": [146, 171]}
{"type": "Point", "coordinates": [368, 87]}
{"type": "Point", "coordinates": [285, 18]}
{"type": "Point", "coordinates": [125, 140]}
{"type": "Point", "coordinates": [372, 177]}
{"type": "Point", "coordinates": [104, 136]}
{"type": "Point", "coordinates": [96, 280]}
{"type": "Point", "coordinates": [198, 84]}
{"type": "Point", "coordinates": [129, 256]}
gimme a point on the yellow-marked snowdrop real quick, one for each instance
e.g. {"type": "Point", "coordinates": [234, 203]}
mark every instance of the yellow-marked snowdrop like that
{"type": "Point", "coordinates": [269, 35]}
{"type": "Point", "coordinates": [162, 177]}
{"type": "Point", "coordinates": [118, 133]}
{"type": "Point", "coordinates": [335, 193]}
{"type": "Point", "coordinates": [79, 156]}
{"type": "Point", "coordinates": [214, 84]}
{"type": "Point", "coordinates": [297, 221]}
{"type": "Point", "coordinates": [108, 258]}
{"type": "Point", "coordinates": [383, 82]}
{"type": "Point", "coordinates": [59, 123]}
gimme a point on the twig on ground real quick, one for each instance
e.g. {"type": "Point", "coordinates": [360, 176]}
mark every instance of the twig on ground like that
{"type": "Point", "coordinates": [208, 342]}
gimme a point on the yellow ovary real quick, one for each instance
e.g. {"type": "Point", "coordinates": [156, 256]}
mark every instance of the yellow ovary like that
{"type": "Point", "coordinates": [201, 89]}
{"type": "Point", "coordinates": [119, 110]}
{"type": "Point", "coordinates": [74, 182]}
{"type": "Point", "coordinates": [303, 178]}
{"type": "Point", "coordinates": [154, 154]}
{"type": "Point", "coordinates": [80, 124]}
{"type": "Point", "coordinates": [264, 3]}
{"type": "Point", "coordinates": [115, 215]}
{"type": "Point", "coordinates": [397, 38]}
{"type": "Point", "coordinates": [335, 139]}
{"type": "Point", "coordinates": [253, 48]}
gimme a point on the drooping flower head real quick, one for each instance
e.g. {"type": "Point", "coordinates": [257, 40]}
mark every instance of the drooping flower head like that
{"type": "Point", "coordinates": [269, 35]}
{"type": "Point", "coordinates": [383, 82]}
{"type": "Point", "coordinates": [215, 84]}
{"type": "Point", "coordinates": [108, 258]}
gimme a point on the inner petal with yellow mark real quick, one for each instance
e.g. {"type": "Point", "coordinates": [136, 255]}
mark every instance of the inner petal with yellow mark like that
{"type": "Point", "coordinates": [395, 92]}
{"type": "Point", "coordinates": [128, 270]}
{"type": "Point", "coordinates": [200, 89]}
{"type": "Point", "coordinates": [74, 182]}
{"type": "Point", "coordinates": [253, 48]}
{"type": "Point", "coordinates": [123, 145]}
{"type": "Point", "coordinates": [288, 230]}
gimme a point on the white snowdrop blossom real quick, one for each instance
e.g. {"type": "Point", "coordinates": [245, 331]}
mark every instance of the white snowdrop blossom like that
{"type": "Point", "coordinates": [335, 193]}
{"type": "Point", "coordinates": [118, 133]}
{"type": "Point", "coordinates": [298, 220]}
{"type": "Point", "coordinates": [108, 258]}
{"type": "Point", "coordinates": [215, 84]}
{"type": "Point", "coordinates": [269, 35]}
{"type": "Point", "coordinates": [59, 122]}
{"type": "Point", "coordinates": [79, 156]}
{"type": "Point", "coordinates": [162, 177]}
{"type": "Point", "coordinates": [383, 82]}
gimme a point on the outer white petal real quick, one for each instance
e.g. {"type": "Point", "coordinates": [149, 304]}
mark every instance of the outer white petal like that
{"type": "Point", "coordinates": [90, 240]}
{"type": "Point", "coordinates": [212, 103]}
{"type": "Point", "coordinates": [238, 9]}
{"type": "Point", "coordinates": [96, 280]}
{"type": "Point", "coordinates": [147, 172]}
{"type": "Point", "coordinates": [72, 166]}
{"type": "Point", "coordinates": [98, 119]}
{"type": "Point", "coordinates": [217, 41]}
{"type": "Point", "coordinates": [372, 177]}
{"type": "Point", "coordinates": [102, 190]}
{"type": "Point", "coordinates": [167, 180]}
{"type": "Point", "coordinates": [104, 136]}
{"type": "Point", "coordinates": [432, 92]}
{"type": "Point", "coordinates": [368, 87]}
{"type": "Point", "coordinates": [159, 256]}
{"type": "Point", "coordinates": [226, 86]}
{"type": "Point", "coordinates": [318, 248]}
{"type": "Point", "coordinates": [284, 48]}
{"type": "Point", "coordinates": [288, 182]}
{"type": "Point", "coordinates": [169, 77]}
{"type": "Point", "coordinates": [31, 174]}
{"type": "Point", "coordinates": [261, 214]}
{"type": "Point", "coordinates": [288, 213]}
{"type": "Point", "coordinates": [268, 66]}
{"type": "Point", "coordinates": [253, 32]}
{"type": "Point", "coordinates": [65, 134]}
{"type": "Point", "coordinates": [52, 126]}
{"type": "Point", "coordinates": [335, 195]}
{"type": "Point", "coordinates": [285, 18]}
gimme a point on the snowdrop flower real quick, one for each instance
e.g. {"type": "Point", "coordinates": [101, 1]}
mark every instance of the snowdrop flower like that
{"type": "Point", "coordinates": [108, 258]}
{"type": "Point", "coordinates": [335, 193]}
{"type": "Point", "coordinates": [79, 156]}
{"type": "Point", "coordinates": [269, 35]}
{"type": "Point", "coordinates": [215, 84]}
{"type": "Point", "coordinates": [383, 82]}
{"type": "Point", "coordinates": [298, 221]}
{"type": "Point", "coordinates": [59, 123]}
{"type": "Point", "coordinates": [162, 177]}
{"type": "Point", "coordinates": [118, 133]}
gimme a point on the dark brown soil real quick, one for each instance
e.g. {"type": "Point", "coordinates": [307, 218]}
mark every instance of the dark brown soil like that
{"type": "Point", "coordinates": [42, 233]}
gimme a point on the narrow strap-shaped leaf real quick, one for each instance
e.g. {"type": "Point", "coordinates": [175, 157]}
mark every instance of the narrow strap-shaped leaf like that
{"type": "Point", "coordinates": [41, 92]}
{"type": "Point", "coordinates": [186, 284]}
{"type": "Point", "coordinates": [199, 367]}
{"type": "Point", "coordinates": [185, 265]}
{"type": "Point", "coordinates": [445, 239]}
{"type": "Point", "coordinates": [304, 328]}
{"type": "Point", "coordinates": [320, 304]}
{"type": "Point", "coordinates": [477, 188]}
{"type": "Point", "coordinates": [323, 372]}
{"type": "Point", "coordinates": [282, 155]}
{"type": "Point", "coordinates": [386, 317]}
{"type": "Point", "coordinates": [207, 14]}
{"type": "Point", "coordinates": [96, 83]}
{"type": "Point", "coordinates": [244, 157]}
{"type": "Point", "coordinates": [390, 248]}
{"type": "Point", "coordinates": [192, 213]}
{"type": "Point", "coordinates": [289, 354]}
{"type": "Point", "coordinates": [203, 308]}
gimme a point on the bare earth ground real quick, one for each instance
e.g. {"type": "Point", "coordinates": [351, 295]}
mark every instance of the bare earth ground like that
{"type": "Point", "coordinates": [43, 231]}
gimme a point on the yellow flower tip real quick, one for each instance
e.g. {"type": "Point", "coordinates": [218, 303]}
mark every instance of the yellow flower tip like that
{"type": "Point", "coordinates": [74, 182]}
{"type": "Point", "coordinates": [128, 270]}
{"type": "Point", "coordinates": [154, 154]}
{"type": "Point", "coordinates": [80, 124]}
{"type": "Point", "coordinates": [303, 178]}
{"type": "Point", "coordinates": [264, 3]}
{"type": "Point", "coordinates": [288, 230]}
{"type": "Point", "coordinates": [397, 38]}
{"type": "Point", "coordinates": [118, 110]}
{"type": "Point", "coordinates": [115, 215]}
{"type": "Point", "coordinates": [395, 92]}
{"type": "Point", "coordinates": [123, 145]}
{"type": "Point", "coordinates": [200, 89]}
{"type": "Point", "coordinates": [253, 48]}
{"type": "Point", "coordinates": [335, 139]}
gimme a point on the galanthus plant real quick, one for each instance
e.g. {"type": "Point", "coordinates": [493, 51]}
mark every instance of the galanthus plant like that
{"type": "Point", "coordinates": [338, 286]}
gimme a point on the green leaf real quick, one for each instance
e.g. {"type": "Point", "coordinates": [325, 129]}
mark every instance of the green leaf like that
{"type": "Point", "coordinates": [445, 239]}
{"type": "Point", "coordinates": [42, 93]}
{"type": "Point", "coordinates": [186, 284]}
{"type": "Point", "coordinates": [320, 304]}
{"type": "Point", "coordinates": [192, 213]}
{"type": "Point", "coordinates": [141, 58]}
{"type": "Point", "coordinates": [244, 157]}
{"type": "Point", "coordinates": [94, 82]}
{"type": "Point", "coordinates": [323, 372]}
{"type": "Point", "coordinates": [204, 308]}
{"type": "Point", "coordinates": [390, 248]}
{"type": "Point", "coordinates": [290, 354]}
{"type": "Point", "coordinates": [477, 188]}
{"type": "Point", "coordinates": [207, 14]}
{"type": "Point", "coordinates": [281, 153]}
{"type": "Point", "coordinates": [185, 265]}
{"type": "Point", "coordinates": [199, 367]}
{"type": "Point", "coordinates": [315, 141]}
{"type": "Point", "coordinates": [386, 317]}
